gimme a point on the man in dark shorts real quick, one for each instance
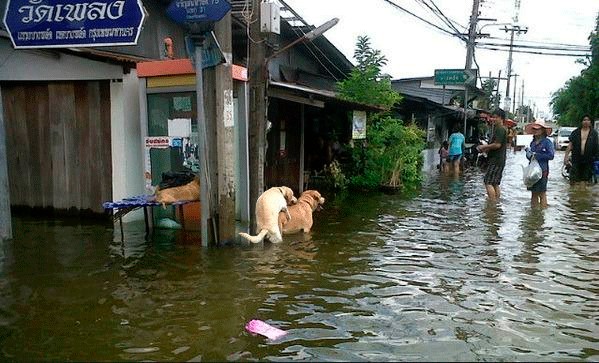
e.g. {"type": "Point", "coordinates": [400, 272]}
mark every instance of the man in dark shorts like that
{"type": "Point", "coordinates": [584, 147]}
{"type": "Point", "coordinates": [496, 155]}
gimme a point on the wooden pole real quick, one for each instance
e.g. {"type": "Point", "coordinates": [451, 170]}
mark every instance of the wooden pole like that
{"type": "Point", "coordinates": [225, 134]}
{"type": "Point", "coordinates": [5, 220]}
{"type": "Point", "coordinates": [258, 109]}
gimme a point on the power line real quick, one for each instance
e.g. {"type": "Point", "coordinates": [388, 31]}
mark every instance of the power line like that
{"type": "Point", "coordinates": [535, 47]}
{"type": "Point", "coordinates": [422, 19]}
{"type": "Point", "coordinates": [449, 19]}
{"type": "Point", "coordinates": [585, 47]}
{"type": "Point", "coordinates": [539, 53]}
{"type": "Point", "coordinates": [439, 14]}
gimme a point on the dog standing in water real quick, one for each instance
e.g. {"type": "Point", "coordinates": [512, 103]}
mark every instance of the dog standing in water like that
{"type": "Point", "coordinates": [301, 213]}
{"type": "Point", "coordinates": [268, 206]}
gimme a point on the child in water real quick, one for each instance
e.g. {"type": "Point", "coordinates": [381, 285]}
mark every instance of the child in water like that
{"type": "Point", "coordinates": [443, 154]}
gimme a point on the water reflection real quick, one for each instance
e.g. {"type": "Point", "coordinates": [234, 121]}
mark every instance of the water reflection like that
{"type": "Point", "coordinates": [439, 276]}
{"type": "Point", "coordinates": [532, 238]}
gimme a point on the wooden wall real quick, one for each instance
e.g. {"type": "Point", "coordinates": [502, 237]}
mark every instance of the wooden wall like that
{"type": "Point", "coordinates": [58, 144]}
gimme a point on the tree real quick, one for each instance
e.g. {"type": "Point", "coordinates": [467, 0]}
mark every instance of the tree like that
{"type": "Point", "coordinates": [366, 83]}
{"type": "Point", "coordinates": [526, 113]}
{"type": "Point", "coordinates": [489, 100]}
{"type": "Point", "coordinates": [391, 154]}
{"type": "Point", "coordinates": [580, 94]}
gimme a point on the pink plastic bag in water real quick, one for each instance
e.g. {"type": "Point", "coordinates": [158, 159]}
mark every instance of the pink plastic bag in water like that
{"type": "Point", "coordinates": [259, 327]}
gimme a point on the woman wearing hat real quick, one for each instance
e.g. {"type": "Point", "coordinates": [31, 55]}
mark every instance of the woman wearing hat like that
{"type": "Point", "coordinates": [541, 148]}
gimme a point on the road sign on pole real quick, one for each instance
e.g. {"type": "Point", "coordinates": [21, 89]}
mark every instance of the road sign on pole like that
{"type": "Point", "coordinates": [447, 77]}
{"type": "Point", "coordinates": [188, 12]}
{"type": "Point", "coordinates": [73, 23]}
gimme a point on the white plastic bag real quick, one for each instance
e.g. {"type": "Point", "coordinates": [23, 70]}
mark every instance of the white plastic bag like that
{"type": "Point", "coordinates": [532, 173]}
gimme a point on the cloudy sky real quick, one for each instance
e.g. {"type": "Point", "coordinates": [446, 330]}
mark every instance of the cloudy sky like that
{"type": "Point", "coordinates": [415, 49]}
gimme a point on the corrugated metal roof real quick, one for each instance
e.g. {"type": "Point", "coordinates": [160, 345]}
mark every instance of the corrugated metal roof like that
{"type": "Point", "coordinates": [118, 57]}
{"type": "Point", "coordinates": [330, 95]}
{"type": "Point", "coordinates": [423, 87]}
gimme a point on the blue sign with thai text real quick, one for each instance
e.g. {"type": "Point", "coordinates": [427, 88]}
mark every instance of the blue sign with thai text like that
{"type": "Point", "coordinates": [73, 23]}
{"type": "Point", "coordinates": [193, 11]}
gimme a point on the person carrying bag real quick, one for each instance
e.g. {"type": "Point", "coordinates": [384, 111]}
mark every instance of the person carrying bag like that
{"type": "Point", "coordinates": [540, 152]}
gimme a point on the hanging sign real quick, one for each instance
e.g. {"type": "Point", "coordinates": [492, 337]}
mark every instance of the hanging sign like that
{"type": "Point", "coordinates": [73, 23]}
{"type": "Point", "coordinates": [359, 125]}
{"type": "Point", "coordinates": [192, 11]}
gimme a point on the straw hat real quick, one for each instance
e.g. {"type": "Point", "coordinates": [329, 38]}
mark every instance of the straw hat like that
{"type": "Point", "coordinates": [529, 129]}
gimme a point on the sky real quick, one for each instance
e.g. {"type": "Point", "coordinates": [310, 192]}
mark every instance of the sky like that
{"type": "Point", "coordinates": [415, 49]}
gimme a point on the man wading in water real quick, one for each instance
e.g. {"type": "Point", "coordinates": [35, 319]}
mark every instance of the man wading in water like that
{"type": "Point", "coordinates": [496, 155]}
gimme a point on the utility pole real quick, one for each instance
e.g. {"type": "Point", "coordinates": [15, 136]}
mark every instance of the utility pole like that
{"type": "Point", "coordinates": [206, 215]}
{"type": "Point", "coordinates": [522, 99]}
{"type": "Point", "coordinates": [497, 90]}
{"type": "Point", "coordinates": [513, 29]}
{"type": "Point", "coordinates": [515, 86]}
{"type": "Point", "coordinates": [472, 34]}
{"type": "Point", "coordinates": [258, 110]}
{"type": "Point", "coordinates": [225, 139]}
{"type": "Point", "coordinates": [469, 55]}
{"type": "Point", "coordinates": [5, 221]}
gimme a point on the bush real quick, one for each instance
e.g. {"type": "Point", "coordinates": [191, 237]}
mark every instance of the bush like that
{"type": "Point", "coordinates": [392, 156]}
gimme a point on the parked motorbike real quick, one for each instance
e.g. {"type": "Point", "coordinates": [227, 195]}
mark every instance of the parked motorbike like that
{"type": "Point", "coordinates": [474, 158]}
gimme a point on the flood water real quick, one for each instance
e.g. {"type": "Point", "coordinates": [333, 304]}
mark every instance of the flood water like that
{"type": "Point", "coordinates": [440, 276]}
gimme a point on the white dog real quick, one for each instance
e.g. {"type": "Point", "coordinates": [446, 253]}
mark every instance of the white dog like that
{"type": "Point", "coordinates": [268, 206]}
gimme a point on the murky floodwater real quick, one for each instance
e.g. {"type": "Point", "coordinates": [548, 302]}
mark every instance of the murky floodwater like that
{"type": "Point", "coordinates": [442, 277]}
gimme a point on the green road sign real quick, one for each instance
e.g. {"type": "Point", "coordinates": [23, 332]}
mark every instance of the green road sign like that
{"type": "Point", "coordinates": [455, 76]}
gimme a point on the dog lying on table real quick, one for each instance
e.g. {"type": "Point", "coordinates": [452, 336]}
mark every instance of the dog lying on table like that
{"type": "Point", "coordinates": [189, 191]}
{"type": "Point", "coordinates": [301, 213]}
{"type": "Point", "coordinates": [268, 206]}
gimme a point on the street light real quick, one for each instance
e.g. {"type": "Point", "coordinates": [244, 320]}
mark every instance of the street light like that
{"type": "Point", "coordinates": [306, 37]}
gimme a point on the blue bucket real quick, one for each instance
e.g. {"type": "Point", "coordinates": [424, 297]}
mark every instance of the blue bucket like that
{"type": "Point", "coordinates": [596, 167]}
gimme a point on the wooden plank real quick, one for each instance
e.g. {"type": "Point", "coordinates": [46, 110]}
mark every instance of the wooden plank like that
{"type": "Point", "coordinates": [106, 146]}
{"type": "Point", "coordinates": [17, 169]}
{"type": "Point", "coordinates": [71, 151]}
{"type": "Point", "coordinates": [95, 146]}
{"type": "Point", "coordinates": [35, 181]}
{"type": "Point", "coordinates": [57, 143]}
{"type": "Point", "coordinates": [44, 147]}
{"type": "Point", "coordinates": [5, 216]}
{"type": "Point", "coordinates": [85, 154]}
{"type": "Point", "coordinates": [169, 81]}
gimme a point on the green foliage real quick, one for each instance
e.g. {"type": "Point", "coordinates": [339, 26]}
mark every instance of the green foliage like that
{"type": "Point", "coordinates": [392, 157]}
{"type": "Point", "coordinates": [335, 176]}
{"type": "Point", "coordinates": [489, 100]}
{"type": "Point", "coordinates": [580, 94]}
{"type": "Point", "coordinates": [391, 153]}
{"type": "Point", "coordinates": [366, 83]}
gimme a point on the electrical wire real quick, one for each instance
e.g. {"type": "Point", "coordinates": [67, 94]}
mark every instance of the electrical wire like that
{"type": "Point", "coordinates": [422, 19]}
{"type": "Point", "coordinates": [437, 12]}
{"type": "Point", "coordinates": [297, 30]}
{"type": "Point", "coordinates": [533, 47]}
{"type": "Point", "coordinates": [301, 33]}
{"type": "Point", "coordinates": [531, 52]}
{"type": "Point", "coordinates": [584, 47]}
{"type": "Point", "coordinates": [247, 14]}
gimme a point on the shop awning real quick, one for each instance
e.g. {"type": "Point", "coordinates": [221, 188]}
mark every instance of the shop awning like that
{"type": "Point", "coordinates": [313, 96]}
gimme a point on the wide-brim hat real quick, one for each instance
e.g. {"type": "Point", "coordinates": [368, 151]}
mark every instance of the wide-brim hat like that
{"type": "Point", "coordinates": [529, 129]}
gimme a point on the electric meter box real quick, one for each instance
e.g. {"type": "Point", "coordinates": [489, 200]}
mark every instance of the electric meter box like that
{"type": "Point", "coordinates": [270, 17]}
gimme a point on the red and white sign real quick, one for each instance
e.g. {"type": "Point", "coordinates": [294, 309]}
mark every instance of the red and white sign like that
{"type": "Point", "coordinates": [158, 141]}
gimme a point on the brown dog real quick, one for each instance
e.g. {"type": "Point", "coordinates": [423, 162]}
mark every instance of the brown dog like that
{"type": "Point", "coordinates": [268, 206]}
{"type": "Point", "coordinates": [301, 213]}
{"type": "Point", "coordinates": [189, 191]}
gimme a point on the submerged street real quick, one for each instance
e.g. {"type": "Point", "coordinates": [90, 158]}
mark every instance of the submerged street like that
{"type": "Point", "coordinates": [440, 276]}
